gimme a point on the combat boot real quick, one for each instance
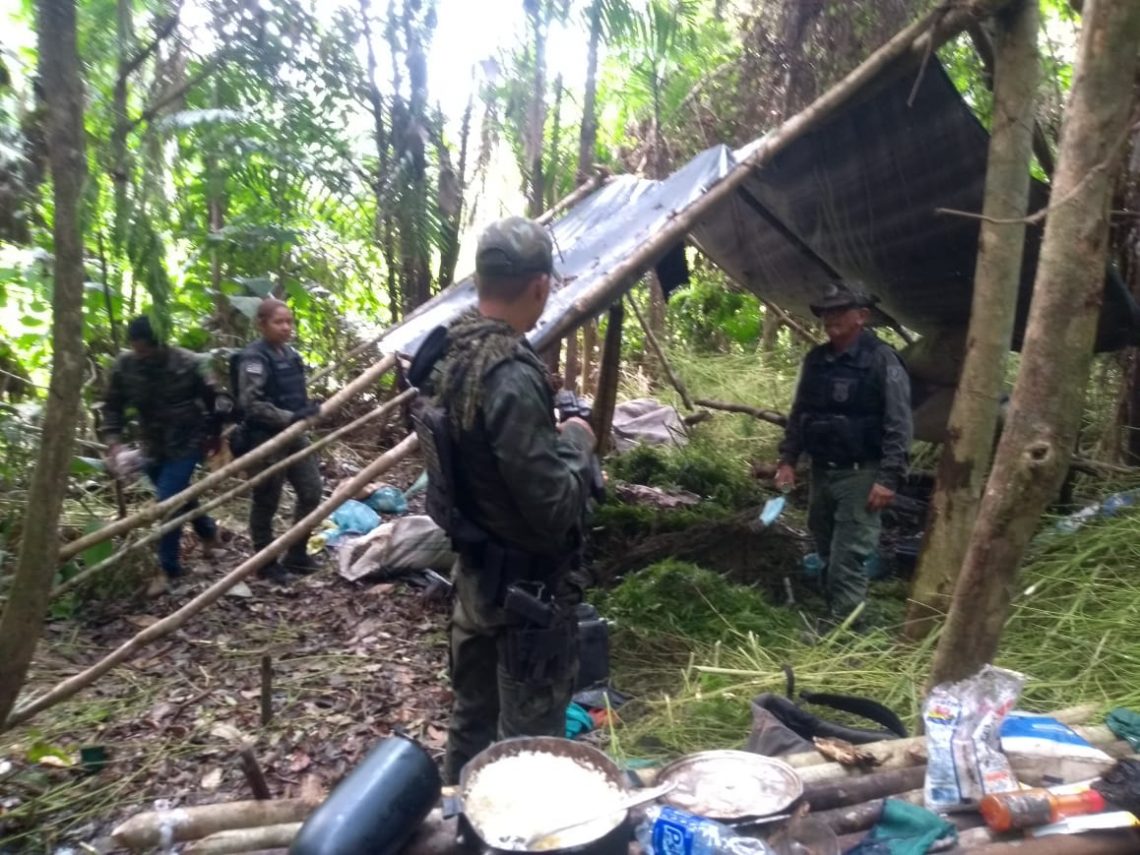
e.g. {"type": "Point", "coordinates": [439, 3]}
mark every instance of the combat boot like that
{"type": "Point", "coordinates": [274, 572]}
{"type": "Point", "coordinates": [301, 563]}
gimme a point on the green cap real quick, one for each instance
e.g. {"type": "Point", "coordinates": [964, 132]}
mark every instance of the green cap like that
{"type": "Point", "coordinates": [514, 246]}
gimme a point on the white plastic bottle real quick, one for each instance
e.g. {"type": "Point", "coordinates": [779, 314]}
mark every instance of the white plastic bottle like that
{"type": "Point", "coordinates": [668, 831]}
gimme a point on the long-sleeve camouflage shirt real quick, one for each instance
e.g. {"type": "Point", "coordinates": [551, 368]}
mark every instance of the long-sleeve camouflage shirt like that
{"type": "Point", "coordinates": [519, 477]}
{"type": "Point", "coordinates": [897, 418]}
{"type": "Point", "coordinates": [172, 395]}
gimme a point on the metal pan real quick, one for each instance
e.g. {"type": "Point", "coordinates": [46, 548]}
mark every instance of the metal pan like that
{"type": "Point", "coordinates": [614, 841]}
{"type": "Point", "coordinates": [731, 786]}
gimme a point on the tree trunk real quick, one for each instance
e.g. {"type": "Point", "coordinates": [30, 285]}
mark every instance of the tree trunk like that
{"type": "Point", "coordinates": [537, 11]}
{"type": "Point", "coordinates": [588, 137]}
{"type": "Point", "coordinates": [570, 375]}
{"type": "Point", "coordinates": [973, 417]}
{"type": "Point", "coordinates": [589, 345]}
{"type": "Point", "coordinates": [22, 622]}
{"type": "Point", "coordinates": [608, 376]}
{"type": "Point", "coordinates": [555, 143]}
{"type": "Point", "coordinates": [215, 221]}
{"type": "Point", "coordinates": [1045, 412]}
{"type": "Point", "coordinates": [449, 253]}
{"type": "Point", "coordinates": [770, 333]}
{"type": "Point", "coordinates": [121, 126]}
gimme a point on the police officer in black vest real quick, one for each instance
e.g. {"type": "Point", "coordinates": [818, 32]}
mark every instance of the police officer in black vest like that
{"type": "Point", "coordinates": [852, 417]}
{"type": "Point", "coordinates": [272, 396]}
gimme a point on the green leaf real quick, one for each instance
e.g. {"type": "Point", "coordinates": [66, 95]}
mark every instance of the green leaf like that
{"type": "Point", "coordinates": [246, 305]}
{"type": "Point", "coordinates": [31, 321]}
{"type": "Point", "coordinates": [39, 750]}
{"type": "Point", "coordinates": [87, 466]}
{"type": "Point", "coordinates": [262, 286]}
{"type": "Point", "coordinates": [100, 551]}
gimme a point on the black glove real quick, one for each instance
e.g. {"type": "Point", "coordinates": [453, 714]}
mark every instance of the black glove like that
{"type": "Point", "coordinates": [306, 412]}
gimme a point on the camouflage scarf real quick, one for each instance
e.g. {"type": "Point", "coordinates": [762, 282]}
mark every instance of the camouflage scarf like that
{"type": "Point", "coordinates": [476, 345]}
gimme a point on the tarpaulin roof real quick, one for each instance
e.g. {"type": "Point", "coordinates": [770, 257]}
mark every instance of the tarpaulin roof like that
{"type": "Point", "coordinates": [858, 198]}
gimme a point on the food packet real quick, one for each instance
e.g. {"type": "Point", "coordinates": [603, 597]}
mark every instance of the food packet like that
{"type": "Point", "coordinates": [963, 727]}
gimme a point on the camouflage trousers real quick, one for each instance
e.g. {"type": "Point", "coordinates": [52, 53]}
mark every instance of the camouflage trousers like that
{"type": "Point", "coordinates": [845, 532]}
{"type": "Point", "coordinates": [497, 694]}
{"type": "Point", "coordinates": [304, 477]}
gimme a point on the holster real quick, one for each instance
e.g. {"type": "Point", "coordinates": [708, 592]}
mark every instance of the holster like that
{"type": "Point", "coordinates": [538, 655]}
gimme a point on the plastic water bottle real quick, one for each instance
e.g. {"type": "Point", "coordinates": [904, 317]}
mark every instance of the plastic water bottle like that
{"type": "Point", "coordinates": [668, 831]}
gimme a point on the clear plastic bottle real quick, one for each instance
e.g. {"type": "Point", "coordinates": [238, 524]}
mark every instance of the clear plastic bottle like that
{"type": "Point", "coordinates": [668, 831]}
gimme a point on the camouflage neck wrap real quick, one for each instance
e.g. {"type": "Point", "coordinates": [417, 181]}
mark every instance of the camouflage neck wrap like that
{"type": "Point", "coordinates": [476, 345]}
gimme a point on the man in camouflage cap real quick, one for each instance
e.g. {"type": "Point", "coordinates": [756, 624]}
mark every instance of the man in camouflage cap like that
{"type": "Point", "coordinates": [852, 417]}
{"type": "Point", "coordinates": [513, 499]}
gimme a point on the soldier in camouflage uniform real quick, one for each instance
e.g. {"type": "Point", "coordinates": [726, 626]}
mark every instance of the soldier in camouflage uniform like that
{"type": "Point", "coordinates": [522, 484]}
{"type": "Point", "coordinates": [272, 396]}
{"type": "Point", "coordinates": [169, 389]}
{"type": "Point", "coordinates": [852, 416]}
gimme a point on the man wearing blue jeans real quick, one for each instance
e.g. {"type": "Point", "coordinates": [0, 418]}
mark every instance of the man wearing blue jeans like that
{"type": "Point", "coordinates": [174, 399]}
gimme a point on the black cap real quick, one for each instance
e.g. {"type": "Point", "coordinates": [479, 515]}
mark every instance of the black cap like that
{"type": "Point", "coordinates": [841, 296]}
{"type": "Point", "coordinates": [140, 329]}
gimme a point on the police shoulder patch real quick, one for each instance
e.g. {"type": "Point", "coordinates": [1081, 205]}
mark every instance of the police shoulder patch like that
{"type": "Point", "coordinates": [255, 367]}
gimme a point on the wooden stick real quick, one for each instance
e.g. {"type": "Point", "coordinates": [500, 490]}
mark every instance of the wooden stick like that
{"type": "Point", "coordinates": [345, 491]}
{"type": "Point", "coordinates": [791, 323]}
{"type": "Point", "coordinates": [245, 840]}
{"type": "Point", "coordinates": [266, 690]}
{"type": "Point", "coordinates": [589, 345]}
{"type": "Point", "coordinates": [851, 791]}
{"type": "Point", "coordinates": [148, 830]}
{"type": "Point", "coordinates": [574, 197]}
{"type": "Point", "coordinates": [608, 374]}
{"type": "Point", "coordinates": [242, 487]}
{"type": "Point", "coordinates": [252, 771]}
{"type": "Point", "coordinates": [262, 452]}
{"type": "Point", "coordinates": [764, 415]}
{"type": "Point", "coordinates": [655, 345]}
{"type": "Point", "coordinates": [928, 32]}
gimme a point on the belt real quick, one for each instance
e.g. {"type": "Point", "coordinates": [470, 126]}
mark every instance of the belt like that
{"type": "Point", "coordinates": [850, 465]}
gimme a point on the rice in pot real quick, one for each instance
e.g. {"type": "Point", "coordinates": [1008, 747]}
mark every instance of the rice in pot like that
{"type": "Point", "coordinates": [513, 799]}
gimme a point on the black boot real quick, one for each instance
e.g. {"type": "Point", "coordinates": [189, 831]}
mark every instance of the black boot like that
{"type": "Point", "coordinates": [274, 572]}
{"type": "Point", "coordinates": [301, 563]}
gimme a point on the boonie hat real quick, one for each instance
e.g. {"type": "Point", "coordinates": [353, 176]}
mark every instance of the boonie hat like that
{"type": "Point", "coordinates": [514, 246]}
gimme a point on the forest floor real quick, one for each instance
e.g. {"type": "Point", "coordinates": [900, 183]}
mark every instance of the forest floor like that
{"type": "Point", "coordinates": [351, 663]}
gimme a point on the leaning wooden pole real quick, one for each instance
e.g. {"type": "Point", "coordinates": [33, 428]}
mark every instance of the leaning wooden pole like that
{"type": "Point", "coordinates": [915, 41]}
{"type": "Point", "coordinates": [659, 352]}
{"type": "Point", "coordinates": [345, 491]}
{"type": "Point", "coordinates": [242, 487]}
{"type": "Point", "coordinates": [262, 452]}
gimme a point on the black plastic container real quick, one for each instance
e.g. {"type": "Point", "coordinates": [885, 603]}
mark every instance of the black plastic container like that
{"type": "Point", "coordinates": [593, 649]}
{"type": "Point", "coordinates": [377, 807]}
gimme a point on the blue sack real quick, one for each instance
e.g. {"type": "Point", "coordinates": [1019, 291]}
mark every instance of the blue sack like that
{"type": "Point", "coordinates": [388, 500]}
{"type": "Point", "coordinates": [355, 517]}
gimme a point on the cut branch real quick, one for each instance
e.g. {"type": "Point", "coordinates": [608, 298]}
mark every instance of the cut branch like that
{"type": "Point", "coordinates": [246, 840]}
{"type": "Point", "coordinates": [296, 534]}
{"type": "Point", "coordinates": [770, 416]}
{"type": "Point", "coordinates": [655, 345]}
{"type": "Point", "coordinates": [148, 830]}
{"type": "Point", "coordinates": [261, 453]}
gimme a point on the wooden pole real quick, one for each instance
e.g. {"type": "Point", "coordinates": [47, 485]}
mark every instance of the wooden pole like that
{"type": "Point", "coordinates": [655, 346]}
{"type": "Point", "coordinates": [589, 345]}
{"type": "Point", "coordinates": [914, 42]}
{"type": "Point", "coordinates": [570, 375]}
{"type": "Point", "coordinates": [608, 374]}
{"type": "Point", "coordinates": [574, 197]}
{"type": "Point", "coordinates": [254, 776]}
{"type": "Point", "coordinates": [266, 690]}
{"type": "Point", "coordinates": [262, 452]}
{"type": "Point", "coordinates": [345, 491]}
{"type": "Point", "coordinates": [242, 487]}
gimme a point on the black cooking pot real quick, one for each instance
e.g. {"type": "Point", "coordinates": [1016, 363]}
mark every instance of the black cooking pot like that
{"type": "Point", "coordinates": [377, 807]}
{"type": "Point", "coordinates": [613, 842]}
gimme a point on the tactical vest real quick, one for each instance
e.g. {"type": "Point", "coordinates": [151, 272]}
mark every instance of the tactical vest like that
{"type": "Point", "coordinates": [285, 386]}
{"type": "Point", "coordinates": [841, 402]}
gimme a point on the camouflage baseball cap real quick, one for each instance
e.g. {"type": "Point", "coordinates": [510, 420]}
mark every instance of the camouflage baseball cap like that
{"type": "Point", "coordinates": [514, 246]}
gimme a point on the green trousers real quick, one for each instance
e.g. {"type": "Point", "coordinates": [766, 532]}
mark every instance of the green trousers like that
{"type": "Point", "coordinates": [845, 532]}
{"type": "Point", "coordinates": [490, 702]}
{"type": "Point", "coordinates": [305, 478]}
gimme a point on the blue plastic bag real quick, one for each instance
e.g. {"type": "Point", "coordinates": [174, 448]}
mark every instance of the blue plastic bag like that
{"type": "Point", "coordinates": [388, 500]}
{"type": "Point", "coordinates": [578, 721]}
{"type": "Point", "coordinates": [355, 517]}
{"type": "Point", "coordinates": [813, 565]}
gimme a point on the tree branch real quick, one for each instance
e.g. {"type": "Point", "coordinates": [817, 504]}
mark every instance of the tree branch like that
{"type": "Point", "coordinates": [770, 416]}
{"type": "Point", "coordinates": [177, 92]}
{"type": "Point", "coordinates": [163, 32]}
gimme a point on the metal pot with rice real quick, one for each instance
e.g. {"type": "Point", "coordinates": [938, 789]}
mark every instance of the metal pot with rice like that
{"type": "Point", "coordinates": [523, 787]}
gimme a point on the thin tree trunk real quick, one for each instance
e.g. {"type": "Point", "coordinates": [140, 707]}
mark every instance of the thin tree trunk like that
{"type": "Point", "coordinates": [974, 414]}
{"type": "Point", "coordinates": [589, 346]}
{"type": "Point", "coordinates": [120, 126]}
{"type": "Point", "coordinates": [555, 143]}
{"type": "Point", "coordinates": [215, 221]}
{"type": "Point", "coordinates": [608, 375]}
{"type": "Point", "coordinates": [588, 136]}
{"type": "Point", "coordinates": [570, 375]}
{"type": "Point", "coordinates": [537, 11]}
{"type": "Point", "coordinates": [770, 332]}
{"type": "Point", "coordinates": [22, 622]}
{"type": "Point", "coordinates": [449, 255]}
{"type": "Point", "coordinates": [1045, 411]}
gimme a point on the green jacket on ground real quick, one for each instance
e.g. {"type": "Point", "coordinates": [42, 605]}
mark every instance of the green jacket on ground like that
{"type": "Point", "coordinates": [172, 395]}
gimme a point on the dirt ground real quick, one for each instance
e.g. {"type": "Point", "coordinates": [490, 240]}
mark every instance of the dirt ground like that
{"type": "Point", "coordinates": [350, 663]}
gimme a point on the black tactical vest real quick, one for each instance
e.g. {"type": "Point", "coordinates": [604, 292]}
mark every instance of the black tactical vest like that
{"type": "Point", "coordinates": [842, 402]}
{"type": "Point", "coordinates": [285, 387]}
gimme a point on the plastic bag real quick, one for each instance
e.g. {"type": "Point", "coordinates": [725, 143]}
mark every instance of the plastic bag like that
{"type": "Point", "coordinates": [963, 725]}
{"type": "Point", "coordinates": [355, 517]}
{"type": "Point", "coordinates": [388, 500]}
